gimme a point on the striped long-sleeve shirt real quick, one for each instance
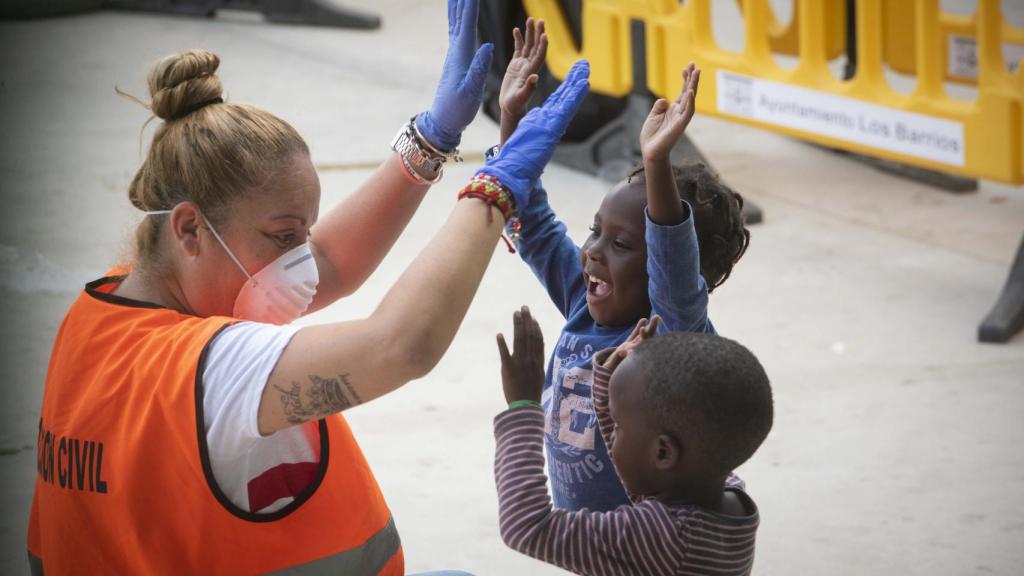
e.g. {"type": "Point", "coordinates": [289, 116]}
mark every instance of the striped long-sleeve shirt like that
{"type": "Point", "coordinates": [647, 537]}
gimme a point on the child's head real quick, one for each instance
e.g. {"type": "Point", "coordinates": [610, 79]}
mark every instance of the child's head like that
{"type": "Point", "coordinates": [614, 256]}
{"type": "Point", "coordinates": [688, 409]}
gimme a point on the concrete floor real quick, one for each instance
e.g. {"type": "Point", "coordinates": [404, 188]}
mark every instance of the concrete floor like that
{"type": "Point", "coordinates": [896, 448]}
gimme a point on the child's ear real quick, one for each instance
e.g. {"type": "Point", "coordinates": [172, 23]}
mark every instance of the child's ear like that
{"type": "Point", "coordinates": [668, 452]}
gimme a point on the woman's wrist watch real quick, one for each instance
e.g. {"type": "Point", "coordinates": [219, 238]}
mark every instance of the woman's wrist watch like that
{"type": "Point", "coordinates": [422, 161]}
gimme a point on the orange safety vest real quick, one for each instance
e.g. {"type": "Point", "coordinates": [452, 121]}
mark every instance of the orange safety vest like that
{"type": "Point", "coordinates": [124, 482]}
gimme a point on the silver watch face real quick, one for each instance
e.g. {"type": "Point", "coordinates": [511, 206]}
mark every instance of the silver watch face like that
{"type": "Point", "coordinates": [409, 148]}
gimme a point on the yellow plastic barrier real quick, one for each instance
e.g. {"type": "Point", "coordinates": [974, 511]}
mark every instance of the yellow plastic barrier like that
{"type": "Point", "coordinates": [927, 128]}
{"type": "Point", "coordinates": [957, 33]}
{"type": "Point", "coordinates": [785, 39]}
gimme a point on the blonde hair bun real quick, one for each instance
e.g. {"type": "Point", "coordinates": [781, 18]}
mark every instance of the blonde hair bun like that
{"type": "Point", "coordinates": [206, 153]}
{"type": "Point", "coordinates": [182, 83]}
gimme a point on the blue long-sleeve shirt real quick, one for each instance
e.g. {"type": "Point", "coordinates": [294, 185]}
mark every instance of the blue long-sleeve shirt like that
{"type": "Point", "coordinates": [579, 467]}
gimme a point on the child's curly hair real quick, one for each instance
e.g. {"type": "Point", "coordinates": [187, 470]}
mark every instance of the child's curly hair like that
{"type": "Point", "coordinates": [717, 216]}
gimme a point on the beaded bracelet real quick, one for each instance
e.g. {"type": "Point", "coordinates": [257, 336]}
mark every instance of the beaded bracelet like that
{"type": "Point", "coordinates": [485, 186]}
{"type": "Point", "coordinates": [489, 189]}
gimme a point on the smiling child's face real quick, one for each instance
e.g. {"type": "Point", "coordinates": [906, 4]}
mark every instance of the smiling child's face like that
{"type": "Point", "coordinates": [614, 258]}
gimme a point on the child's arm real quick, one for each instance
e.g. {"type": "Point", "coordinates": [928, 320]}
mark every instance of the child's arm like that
{"type": "Point", "coordinates": [676, 288]}
{"type": "Point", "coordinates": [662, 129]}
{"type": "Point", "coordinates": [604, 364]}
{"type": "Point", "coordinates": [551, 255]}
{"type": "Point", "coordinates": [544, 245]}
{"type": "Point", "coordinates": [633, 539]}
{"type": "Point", "coordinates": [641, 539]}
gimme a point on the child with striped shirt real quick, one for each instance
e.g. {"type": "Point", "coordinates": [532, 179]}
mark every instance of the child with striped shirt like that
{"type": "Point", "coordinates": [678, 411]}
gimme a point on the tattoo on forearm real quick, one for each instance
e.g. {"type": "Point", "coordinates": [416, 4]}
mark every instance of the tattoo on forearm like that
{"type": "Point", "coordinates": [319, 398]}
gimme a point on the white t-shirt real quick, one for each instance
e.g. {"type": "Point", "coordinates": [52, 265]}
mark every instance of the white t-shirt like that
{"type": "Point", "coordinates": [259, 474]}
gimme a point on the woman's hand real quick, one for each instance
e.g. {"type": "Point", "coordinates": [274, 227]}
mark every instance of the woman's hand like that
{"type": "Point", "coordinates": [522, 373]}
{"type": "Point", "coordinates": [522, 159]}
{"type": "Point", "coordinates": [521, 75]}
{"type": "Point", "coordinates": [643, 330]}
{"type": "Point", "coordinates": [461, 87]}
{"type": "Point", "coordinates": [667, 122]}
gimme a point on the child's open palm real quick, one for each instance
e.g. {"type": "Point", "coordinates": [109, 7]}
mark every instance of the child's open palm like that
{"type": "Point", "coordinates": [667, 122]}
{"type": "Point", "coordinates": [521, 75]}
{"type": "Point", "coordinates": [522, 372]}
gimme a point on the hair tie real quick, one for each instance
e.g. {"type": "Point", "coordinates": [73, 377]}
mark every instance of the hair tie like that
{"type": "Point", "coordinates": [193, 108]}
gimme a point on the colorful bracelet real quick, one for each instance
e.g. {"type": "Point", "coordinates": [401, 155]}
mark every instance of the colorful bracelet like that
{"type": "Point", "coordinates": [493, 193]}
{"type": "Point", "coordinates": [522, 404]}
{"type": "Point", "coordinates": [485, 186]}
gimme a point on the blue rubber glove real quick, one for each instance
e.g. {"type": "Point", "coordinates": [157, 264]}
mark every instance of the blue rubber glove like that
{"type": "Point", "coordinates": [522, 159]}
{"type": "Point", "coordinates": [462, 80]}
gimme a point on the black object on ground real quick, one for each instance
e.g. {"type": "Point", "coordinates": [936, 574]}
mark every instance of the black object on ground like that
{"type": "Point", "coordinates": [1007, 316]}
{"type": "Point", "coordinates": [309, 12]}
{"type": "Point", "coordinates": [25, 9]}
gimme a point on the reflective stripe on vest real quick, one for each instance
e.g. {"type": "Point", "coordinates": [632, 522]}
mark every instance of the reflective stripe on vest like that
{"type": "Point", "coordinates": [368, 559]}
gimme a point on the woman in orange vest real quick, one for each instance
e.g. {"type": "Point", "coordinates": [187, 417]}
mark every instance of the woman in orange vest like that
{"type": "Point", "coordinates": [186, 427]}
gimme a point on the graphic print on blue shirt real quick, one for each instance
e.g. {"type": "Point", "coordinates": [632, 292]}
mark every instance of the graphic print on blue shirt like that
{"type": "Point", "coordinates": [580, 470]}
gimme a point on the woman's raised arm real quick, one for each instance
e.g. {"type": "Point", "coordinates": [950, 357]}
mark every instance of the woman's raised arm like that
{"type": "Point", "coordinates": [350, 241]}
{"type": "Point", "coordinates": [326, 369]}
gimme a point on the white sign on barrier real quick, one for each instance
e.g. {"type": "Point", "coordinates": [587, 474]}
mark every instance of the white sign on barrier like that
{"type": "Point", "coordinates": [842, 118]}
{"type": "Point", "coordinates": [962, 59]}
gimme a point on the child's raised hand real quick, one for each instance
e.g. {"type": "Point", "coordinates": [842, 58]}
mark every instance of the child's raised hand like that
{"type": "Point", "coordinates": [666, 122]}
{"type": "Point", "coordinates": [521, 75]}
{"type": "Point", "coordinates": [522, 372]}
{"type": "Point", "coordinates": [522, 159]}
{"type": "Point", "coordinates": [643, 330]}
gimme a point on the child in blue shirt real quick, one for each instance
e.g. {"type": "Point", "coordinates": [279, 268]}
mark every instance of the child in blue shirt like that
{"type": "Point", "coordinates": [641, 258]}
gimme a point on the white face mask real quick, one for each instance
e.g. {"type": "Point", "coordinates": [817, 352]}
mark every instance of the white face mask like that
{"type": "Point", "coordinates": [280, 292]}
